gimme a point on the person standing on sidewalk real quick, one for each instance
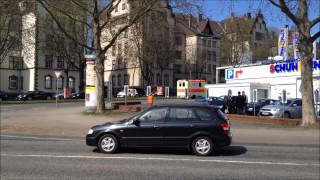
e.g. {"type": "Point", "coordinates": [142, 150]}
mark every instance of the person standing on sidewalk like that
{"type": "Point", "coordinates": [239, 103]}
{"type": "Point", "coordinates": [244, 102]}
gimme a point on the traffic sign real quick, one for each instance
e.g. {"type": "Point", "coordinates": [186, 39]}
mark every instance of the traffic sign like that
{"type": "Point", "coordinates": [58, 73]}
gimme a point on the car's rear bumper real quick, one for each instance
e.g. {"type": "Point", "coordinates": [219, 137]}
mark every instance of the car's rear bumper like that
{"type": "Point", "coordinates": [223, 141]}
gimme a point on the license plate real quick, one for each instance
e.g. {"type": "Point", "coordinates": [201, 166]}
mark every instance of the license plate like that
{"type": "Point", "coordinates": [250, 109]}
{"type": "Point", "coordinates": [265, 113]}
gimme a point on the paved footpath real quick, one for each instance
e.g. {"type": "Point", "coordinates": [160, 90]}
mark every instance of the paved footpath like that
{"type": "Point", "coordinates": [71, 121]}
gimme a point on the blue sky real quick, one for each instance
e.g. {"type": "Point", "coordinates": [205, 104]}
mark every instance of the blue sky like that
{"type": "Point", "coordinates": [221, 9]}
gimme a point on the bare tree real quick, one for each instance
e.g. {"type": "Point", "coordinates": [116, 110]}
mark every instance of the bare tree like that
{"type": "Point", "coordinates": [10, 27]}
{"type": "Point", "coordinates": [297, 12]}
{"type": "Point", "coordinates": [97, 16]}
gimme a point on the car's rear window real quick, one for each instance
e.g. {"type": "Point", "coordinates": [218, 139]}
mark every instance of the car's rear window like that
{"type": "Point", "coordinates": [206, 114]}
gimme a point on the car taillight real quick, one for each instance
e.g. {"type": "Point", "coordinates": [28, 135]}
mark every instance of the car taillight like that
{"type": "Point", "coordinates": [226, 127]}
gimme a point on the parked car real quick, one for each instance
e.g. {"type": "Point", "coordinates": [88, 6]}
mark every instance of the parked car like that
{"type": "Point", "coordinates": [131, 93]}
{"type": "Point", "coordinates": [291, 109]}
{"type": "Point", "coordinates": [141, 92]}
{"type": "Point", "coordinates": [195, 127]}
{"type": "Point", "coordinates": [212, 101]}
{"type": "Point", "coordinates": [34, 95]}
{"type": "Point", "coordinates": [254, 107]}
{"type": "Point", "coordinates": [81, 95]}
{"type": "Point", "coordinates": [3, 95]}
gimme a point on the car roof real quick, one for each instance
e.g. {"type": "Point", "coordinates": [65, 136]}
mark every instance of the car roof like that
{"type": "Point", "coordinates": [183, 105]}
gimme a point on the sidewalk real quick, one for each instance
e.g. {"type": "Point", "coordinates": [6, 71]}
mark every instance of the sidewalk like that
{"type": "Point", "coordinates": [72, 122]}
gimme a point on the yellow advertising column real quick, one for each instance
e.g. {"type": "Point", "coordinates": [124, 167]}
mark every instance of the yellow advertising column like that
{"type": "Point", "coordinates": [91, 90]}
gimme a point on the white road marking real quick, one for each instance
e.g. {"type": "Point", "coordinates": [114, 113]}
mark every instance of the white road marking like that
{"type": "Point", "coordinates": [39, 138]}
{"type": "Point", "coordinates": [161, 159]}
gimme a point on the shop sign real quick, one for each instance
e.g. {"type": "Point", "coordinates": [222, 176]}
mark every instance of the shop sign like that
{"type": "Point", "coordinates": [290, 67]}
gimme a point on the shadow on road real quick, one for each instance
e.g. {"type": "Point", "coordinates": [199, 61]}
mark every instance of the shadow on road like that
{"type": "Point", "coordinates": [231, 151]}
{"type": "Point", "coordinates": [226, 151]}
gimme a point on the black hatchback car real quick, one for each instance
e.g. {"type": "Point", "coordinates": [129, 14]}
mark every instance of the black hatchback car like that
{"type": "Point", "coordinates": [30, 95]}
{"type": "Point", "coordinates": [199, 128]}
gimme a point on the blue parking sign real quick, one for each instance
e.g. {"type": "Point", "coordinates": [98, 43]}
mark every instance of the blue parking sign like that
{"type": "Point", "coordinates": [230, 74]}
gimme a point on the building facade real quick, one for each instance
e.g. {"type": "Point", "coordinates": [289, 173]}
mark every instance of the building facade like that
{"type": "Point", "coordinates": [162, 48]}
{"type": "Point", "coordinates": [31, 64]}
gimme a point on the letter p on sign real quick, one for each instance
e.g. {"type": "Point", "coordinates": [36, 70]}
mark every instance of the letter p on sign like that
{"type": "Point", "coordinates": [230, 74]}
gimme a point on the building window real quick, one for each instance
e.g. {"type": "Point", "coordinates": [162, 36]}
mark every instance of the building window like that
{"type": "Point", "coordinates": [60, 62]}
{"type": "Point", "coordinates": [113, 80]}
{"type": "Point", "coordinates": [209, 43]}
{"type": "Point", "coordinates": [47, 82]}
{"type": "Point", "coordinates": [214, 56]}
{"type": "Point", "coordinates": [60, 82]}
{"type": "Point", "coordinates": [71, 83]}
{"type": "Point", "coordinates": [13, 82]}
{"type": "Point", "coordinates": [48, 61]}
{"type": "Point", "coordinates": [126, 48]}
{"type": "Point", "coordinates": [204, 42]}
{"type": "Point", "coordinates": [126, 33]}
{"type": "Point", "coordinates": [209, 68]}
{"type": "Point", "coordinates": [178, 40]}
{"type": "Point", "coordinates": [119, 63]}
{"type": "Point", "coordinates": [126, 79]}
{"type": "Point", "coordinates": [113, 50]}
{"type": "Point", "coordinates": [119, 49]}
{"type": "Point", "coordinates": [119, 80]}
{"type": "Point", "coordinates": [178, 54]}
{"type": "Point", "coordinates": [123, 6]}
{"type": "Point", "coordinates": [158, 79]}
{"type": "Point", "coordinates": [259, 36]}
{"type": "Point", "coordinates": [15, 62]}
{"type": "Point", "coordinates": [113, 64]}
{"type": "Point", "coordinates": [166, 79]}
{"type": "Point", "coordinates": [214, 44]}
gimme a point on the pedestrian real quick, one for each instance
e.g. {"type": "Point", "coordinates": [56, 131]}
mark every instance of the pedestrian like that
{"type": "Point", "coordinates": [245, 102]}
{"type": "Point", "coordinates": [239, 103]}
{"type": "Point", "coordinates": [228, 101]}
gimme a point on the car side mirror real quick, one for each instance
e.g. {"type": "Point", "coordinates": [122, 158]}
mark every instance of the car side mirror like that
{"type": "Point", "coordinates": [136, 122]}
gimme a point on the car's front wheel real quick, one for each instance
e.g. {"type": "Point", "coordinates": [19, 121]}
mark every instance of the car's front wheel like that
{"type": "Point", "coordinates": [202, 146]}
{"type": "Point", "coordinates": [108, 144]}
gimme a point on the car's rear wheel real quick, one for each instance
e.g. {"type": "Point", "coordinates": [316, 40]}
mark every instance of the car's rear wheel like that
{"type": "Point", "coordinates": [202, 146]}
{"type": "Point", "coordinates": [108, 144]}
{"type": "Point", "coordinates": [286, 115]}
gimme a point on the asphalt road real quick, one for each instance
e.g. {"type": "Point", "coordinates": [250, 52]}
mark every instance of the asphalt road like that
{"type": "Point", "coordinates": [56, 158]}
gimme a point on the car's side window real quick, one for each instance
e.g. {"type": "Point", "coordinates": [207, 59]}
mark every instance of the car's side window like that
{"type": "Point", "coordinates": [154, 115]}
{"type": "Point", "coordinates": [205, 114]}
{"type": "Point", "coordinates": [182, 115]}
{"type": "Point", "coordinates": [298, 102]}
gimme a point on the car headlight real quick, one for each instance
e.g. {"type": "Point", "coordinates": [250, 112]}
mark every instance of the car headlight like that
{"type": "Point", "coordinates": [90, 131]}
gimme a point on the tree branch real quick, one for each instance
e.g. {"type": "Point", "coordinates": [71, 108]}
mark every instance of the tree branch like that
{"type": "Point", "coordinates": [315, 36]}
{"type": "Point", "coordinates": [61, 28]}
{"type": "Point", "coordinates": [284, 8]}
{"type": "Point", "coordinates": [82, 7]}
{"type": "Point", "coordinates": [69, 16]}
{"type": "Point", "coordinates": [314, 22]}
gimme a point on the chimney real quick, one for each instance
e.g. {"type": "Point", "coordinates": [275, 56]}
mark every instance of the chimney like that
{"type": "Point", "coordinates": [199, 17]}
{"type": "Point", "coordinates": [232, 15]}
{"type": "Point", "coordinates": [249, 15]}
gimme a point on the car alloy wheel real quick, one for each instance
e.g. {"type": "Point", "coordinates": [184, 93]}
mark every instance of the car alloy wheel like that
{"type": "Point", "coordinates": [108, 144]}
{"type": "Point", "coordinates": [202, 146]}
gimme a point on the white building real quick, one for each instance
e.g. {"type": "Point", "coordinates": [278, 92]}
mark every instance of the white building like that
{"type": "Point", "coordinates": [269, 80]}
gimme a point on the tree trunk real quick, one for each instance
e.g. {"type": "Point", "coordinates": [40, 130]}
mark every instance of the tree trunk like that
{"type": "Point", "coordinates": [308, 115]}
{"type": "Point", "coordinates": [100, 82]}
